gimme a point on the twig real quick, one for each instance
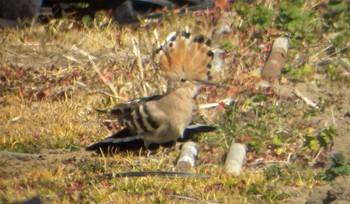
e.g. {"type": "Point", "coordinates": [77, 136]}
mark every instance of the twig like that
{"type": "Point", "coordinates": [82, 84]}
{"type": "Point", "coordinates": [288, 158]}
{"type": "Point", "coordinates": [324, 50]}
{"type": "Point", "coordinates": [72, 59]}
{"type": "Point", "coordinates": [194, 200]}
{"type": "Point", "coordinates": [86, 54]}
{"type": "Point", "coordinates": [320, 52]}
{"type": "Point", "coordinates": [344, 62]}
{"type": "Point", "coordinates": [333, 118]}
{"type": "Point", "coordinates": [109, 121]}
{"type": "Point", "coordinates": [20, 155]}
{"type": "Point", "coordinates": [137, 53]}
{"type": "Point", "coordinates": [169, 174]}
{"type": "Point", "coordinates": [226, 101]}
{"type": "Point", "coordinates": [261, 161]}
{"type": "Point", "coordinates": [15, 119]}
{"type": "Point", "coordinates": [318, 154]}
{"type": "Point", "coordinates": [306, 100]}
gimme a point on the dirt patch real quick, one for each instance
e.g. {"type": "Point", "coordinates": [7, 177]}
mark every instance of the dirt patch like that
{"type": "Point", "coordinates": [337, 192]}
{"type": "Point", "coordinates": [336, 115]}
{"type": "Point", "coordinates": [47, 159]}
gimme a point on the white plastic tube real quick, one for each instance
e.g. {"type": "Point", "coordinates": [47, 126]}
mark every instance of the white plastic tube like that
{"type": "Point", "coordinates": [235, 158]}
{"type": "Point", "coordinates": [187, 157]}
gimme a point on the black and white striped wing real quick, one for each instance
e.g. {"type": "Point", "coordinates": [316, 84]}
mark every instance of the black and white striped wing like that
{"type": "Point", "coordinates": [123, 110]}
{"type": "Point", "coordinates": [140, 120]}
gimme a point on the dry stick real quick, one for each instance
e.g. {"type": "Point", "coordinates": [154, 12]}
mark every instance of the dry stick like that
{"type": "Point", "coordinates": [169, 174]}
{"type": "Point", "coordinates": [187, 157]}
{"type": "Point", "coordinates": [306, 100]}
{"type": "Point", "coordinates": [156, 37]}
{"type": "Point", "coordinates": [226, 101]}
{"type": "Point", "coordinates": [137, 53]}
{"type": "Point", "coordinates": [71, 58]}
{"type": "Point", "coordinates": [15, 119]}
{"type": "Point", "coordinates": [20, 155]}
{"type": "Point", "coordinates": [316, 157]}
{"type": "Point", "coordinates": [235, 158]}
{"type": "Point", "coordinates": [312, 58]}
{"type": "Point", "coordinates": [193, 200]}
{"type": "Point", "coordinates": [86, 54]}
{"type": "Point", "coordinates": [324, 50]}
{"type": "Point", "coordinates": [333, 117]}
{"type": "Point", "coordinates": [276, 60]}
{"type": "Point", "coordinates": [346, 63]}
{"type": "Point", "coordinates": [258, 162]}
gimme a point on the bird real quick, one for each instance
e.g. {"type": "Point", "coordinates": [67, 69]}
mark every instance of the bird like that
{"type": "Point", "coordinates": [186, 64]}
{"type": "Point", "coordinates": [157, 120]}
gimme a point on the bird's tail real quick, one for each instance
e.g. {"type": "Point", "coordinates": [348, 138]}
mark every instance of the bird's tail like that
{"type": "Point", "coordinates": [193, 129]}
{"type": "Point", "coordinates": [122, 140]}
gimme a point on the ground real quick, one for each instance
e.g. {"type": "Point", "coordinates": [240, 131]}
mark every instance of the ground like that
{"type": "Point", "coordinates": [57, 81]}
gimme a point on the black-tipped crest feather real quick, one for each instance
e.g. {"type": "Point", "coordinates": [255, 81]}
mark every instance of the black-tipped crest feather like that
{"type": "Point", "coordinates": [182, 56]}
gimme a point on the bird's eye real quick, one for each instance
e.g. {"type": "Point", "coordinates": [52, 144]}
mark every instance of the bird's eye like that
{"type": "Point", "coordinates": [183, 80]}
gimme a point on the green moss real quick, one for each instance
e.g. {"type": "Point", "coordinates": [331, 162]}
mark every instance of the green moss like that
{"type": "Point", "coordinates": [299, 22]}
{"type": "Point", "coordinates": [227, 46]}
{"type": "Point", "coordinates": [340, 166]}
{"type": "Point", "coordinates": [323, 139]}
{"type": "Point", "coordinates": [256, 15]}
{"type": "Point", "coordinates": [299, 74]}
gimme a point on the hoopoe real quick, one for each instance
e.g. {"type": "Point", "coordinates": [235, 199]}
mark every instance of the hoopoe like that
{"type": "Point", "coordinates": [186, 64]}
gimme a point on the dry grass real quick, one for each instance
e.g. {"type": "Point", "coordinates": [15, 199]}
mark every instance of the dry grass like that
{"type": "Point", "coordinates": [54, 77]}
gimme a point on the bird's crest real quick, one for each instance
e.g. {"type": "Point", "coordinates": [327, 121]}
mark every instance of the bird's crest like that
{"type": "Point", "coordinates": [189, 57]}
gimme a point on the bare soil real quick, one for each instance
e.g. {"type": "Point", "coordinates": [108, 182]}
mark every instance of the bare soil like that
{"type": "Point", "coordinates": [57, 55]}
{"type": "Point", "coordinates": [339, 190]}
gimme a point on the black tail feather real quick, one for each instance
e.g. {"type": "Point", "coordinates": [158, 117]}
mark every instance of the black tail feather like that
{"type": "Point", "coordinates": [112, 148]}
{"type": "Point", "coordinates": [191, 130]}
{"type": "Point", "coordinates": [107, 145]}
